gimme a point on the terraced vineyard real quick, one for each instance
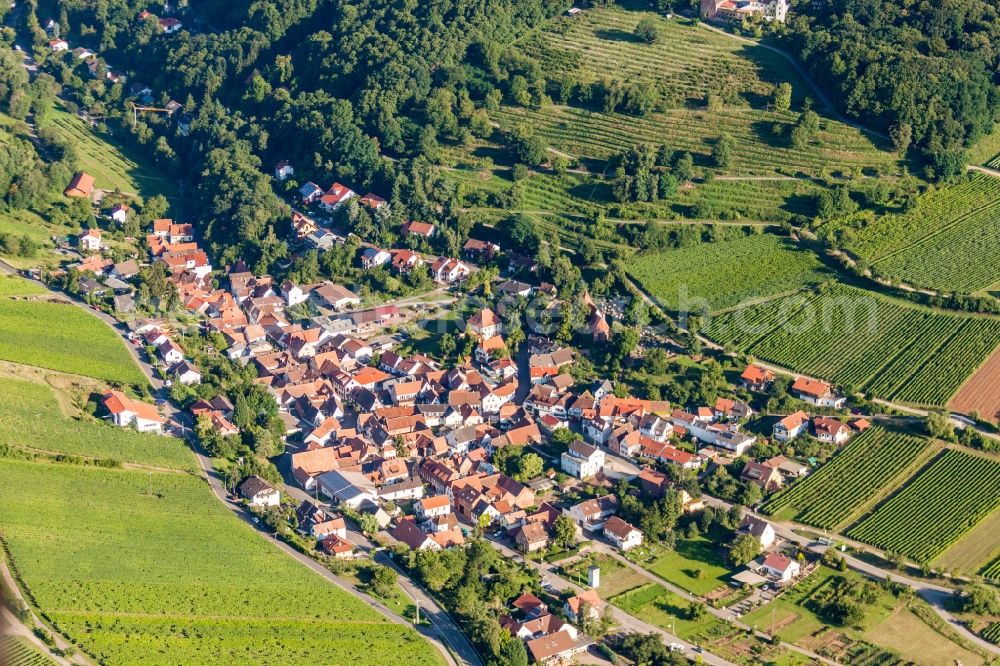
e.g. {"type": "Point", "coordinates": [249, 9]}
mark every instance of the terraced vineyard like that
{"type": "Point", "coordinates": [931, 512]}
{"type": "Point", "coordinates": [949, 242]}
{"type": "Point", "coordinates": [687, 62]}
{"type": "Point", "coordinates": [18, 651]}
{"type": "Point", "coordinates": [892, 349]}
{"type": "Point", "coordinates": [758, 152]}
{"type": "Point", "coordinates": [703, 274]}
{"type": "Point", "coordinates": [867, 467]}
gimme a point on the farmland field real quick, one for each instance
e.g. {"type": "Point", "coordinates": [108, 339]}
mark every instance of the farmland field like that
{"type": "Point", "coordinates": [936, 508]}
{"type": "Point", "coordinates": [19, 651]}
{"type": "Point", "coordinates": [873, 463]}
{"type": "Point", "coordinates": [31, 417]}
{"type": "Point", "coordinates": [703, 274]}
{"type": "Point", "coordinates": [110, 166]}
{"type": "Point", "coordinates": [980, 393]}
{"type": "Point", "coordinates": [890, 348]}
{"type": "Point", "coordinates": [152, 569]}
{"type": "Point", "coordinates": [60, 336]}
{"type": "Point", "coordinates": [950, 241]}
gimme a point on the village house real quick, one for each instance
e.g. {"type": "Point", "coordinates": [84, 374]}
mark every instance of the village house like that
{"type": "Point", "coordinates": [780, 567]}
{"type": "Point", "coordinates": [335, 197]}
{"type": "Point", "coordinates": [756, 378]}
{"type": "Point", "coordinates": [765, 476]}
{"type": "Point", "coordinates": [373, 257]}
{"type": "Point", "coordinates": [259, 493]}
{"type": "Point", "coordinates": [831, 430]}
{"type": "Point", "coordinates": [484, 324]}
{"type": "Point", "coordinates": [591, 514]}
{"type": "Point", "coordinates": [582, 460]}
{"type": "Point", "coordinates": [283, 170]}
{"type": "Point", "coordinates": [335, 296]}
{"type": "Point", "coordinates": [586, 603]}
{"type": "Point", "coordinates": [531, 537]}
{"type": "Point", "coordinates": [421, 229]}
{"type": "Point", "coordinates": [790, 426]}
{"type": "Point", "coordinates": [90, 240]}
{"type": "Point", "coordinates": [759, 529]}
{"type": "Point", "coordinates": [817, 393]}
{"type": "Point", "coordinates": [126, 412]}
{"type": "Point", "coordinates": [621, 534]}
{"type": "Point", "coordinates": [80, 186]}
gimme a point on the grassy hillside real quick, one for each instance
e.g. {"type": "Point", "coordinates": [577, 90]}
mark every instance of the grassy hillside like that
{"type": "Point", "coordinates": [139, 568]}
{"type": "Point", "coordinates": [30, 416]}
{"type": "Point", "coordinates": [111, 166]}
{"type": "Point", "coordinates": [60, 336]}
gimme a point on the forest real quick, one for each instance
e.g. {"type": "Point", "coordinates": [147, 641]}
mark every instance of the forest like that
{"type": "Point", "coordinates": [371, 93]}
{"type": "Point", "coordinates": [924, 72]}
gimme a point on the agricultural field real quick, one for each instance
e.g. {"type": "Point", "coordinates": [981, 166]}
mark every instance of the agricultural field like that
{"type": "Point", "coordinates": [892, 633]}
{"type": "Point", "coordinates": [863, 340]}
{"type": "Point", "coordinates": [992, 570]}
{"type": "Point", "coordinates": [979, 394]}
{"type": "Point", "coordinates": [31, 418]}
{"type": "Point", "coordinates": [950, 241]}
{"type": "Point", "coordinates": [19, 651]}
{"type": "Point", "coordinates": [60, 336]}
{"type": "Point", "coordinates": [977, 549]}
{"type": "Point", "coordinates": [590, 134]}
{"type": "Point", "coordinates": [700, 275]}
{"type": "Point", "coordinates": [176, 578]}
{"type": "Point", "coordinates": [687, 63]}
{"type": "Point", "coordinates": [936, 508]}
{"type": "Point", "coordinates": [874, 463]}
{"type": "Point", "coordinates": [107, 162]}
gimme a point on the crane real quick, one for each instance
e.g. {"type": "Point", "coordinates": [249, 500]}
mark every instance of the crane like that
{"type": "Point", "coordinates": [136, 109]}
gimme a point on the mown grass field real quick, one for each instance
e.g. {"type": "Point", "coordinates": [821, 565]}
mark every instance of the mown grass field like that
{"type": "Point", "coordinates": [110, 165]}
{"type": "Point", "coordinates": [863, 340]}
{"type": "Point", "coordinates": [935, 509]}
{"type": "Point", "coordinates": [697, 565]}
{"type": "Point", "coordinates": [870, 465]}
{"type": "Point", "coordinates": [152, 569]}
{"type": "Point", "coordinates": [727, 273]}
{"type": "Point", "coordinates": [30, 417]}
{"type": "Point", "coordinates": [950, 241]}
{"type": "Point", "coordinates": [60, 336]}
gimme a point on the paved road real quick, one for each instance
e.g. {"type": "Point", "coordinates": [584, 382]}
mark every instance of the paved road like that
{"type": "Point", "coordinates": [721, 613]}
{"type": "Point", "coordinates": [623, 620]}
{"type": "Point", "coordinates": [935, 594]}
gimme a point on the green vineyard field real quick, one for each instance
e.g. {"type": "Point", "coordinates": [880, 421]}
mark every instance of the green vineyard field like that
{"type": "Point", "coordinates": [863, 340]}
{"type": "Point", "coordinates": [18, 651]}
{"type": "Point", "coordinates": [153, 569]}
{"type": "Point", "coordinates": [931, 512]}
{"type": "Point", "coordinates": [870, 464]}
{"type": "Point", "coordinates": [949, 242]}
{"type": "Point", "coordinates": [766, 264]}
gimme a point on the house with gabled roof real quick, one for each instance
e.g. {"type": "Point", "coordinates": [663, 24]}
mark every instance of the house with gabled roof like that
{"type": "Point", "coordinates": [790, 426]}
